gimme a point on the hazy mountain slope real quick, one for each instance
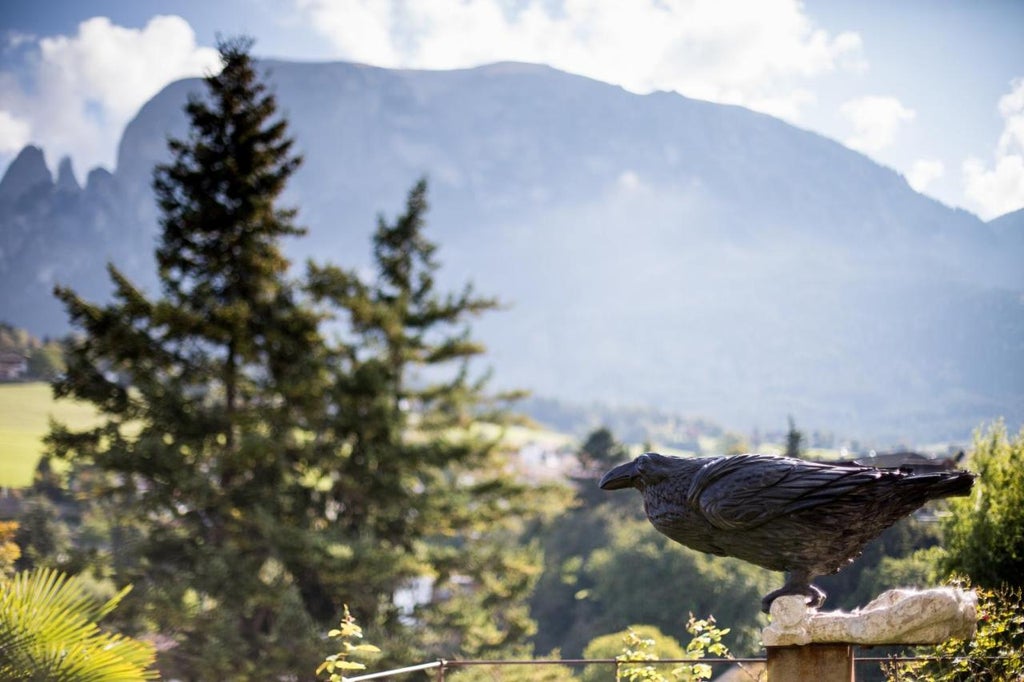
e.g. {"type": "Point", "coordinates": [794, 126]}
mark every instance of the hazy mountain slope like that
{"type": "Point", "coordinates": [654, 249]}
{"type": "Point", "coordinates": [1009, 232]}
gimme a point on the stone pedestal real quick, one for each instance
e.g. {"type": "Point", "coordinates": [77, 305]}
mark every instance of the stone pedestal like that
{"type": "Point", "coordinates": [804, 643]}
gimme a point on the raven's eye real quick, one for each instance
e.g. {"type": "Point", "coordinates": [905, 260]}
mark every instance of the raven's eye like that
{"type": "Point", "coordinates": [643, 462]}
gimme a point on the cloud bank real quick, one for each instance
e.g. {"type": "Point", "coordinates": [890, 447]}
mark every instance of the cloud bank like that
{"type": "Point", "coordinates": [875, 122]}
{"type": "Point", "coordinates": [999, 188]}
{"type": "Point", "coordinates": [924, 172]}
{"type": "Point", "coordinates": [78, 92]}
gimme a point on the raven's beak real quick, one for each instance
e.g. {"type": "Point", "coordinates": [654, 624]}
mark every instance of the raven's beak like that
{"type": "Point", "coordinates": [620, 477]}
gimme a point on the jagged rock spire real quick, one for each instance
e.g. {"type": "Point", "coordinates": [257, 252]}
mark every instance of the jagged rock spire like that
{"type": "Point", "coordinates": [27, 172]}
{"type": "Point", "coordinates": [66, 181]}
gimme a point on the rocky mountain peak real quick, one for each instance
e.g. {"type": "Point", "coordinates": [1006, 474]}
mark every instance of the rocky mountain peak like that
{"type": "Point", "coordinates": [27, 172]}
{"type": "Point", "coordinates": [66, 181]}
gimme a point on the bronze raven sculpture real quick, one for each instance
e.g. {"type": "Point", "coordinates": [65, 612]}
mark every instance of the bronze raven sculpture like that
{"type": "Point", "coordinates": [805, 518]}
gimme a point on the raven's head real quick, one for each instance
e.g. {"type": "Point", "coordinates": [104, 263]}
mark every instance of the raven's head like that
{"type": "Point", "coordinates": [647, 469]}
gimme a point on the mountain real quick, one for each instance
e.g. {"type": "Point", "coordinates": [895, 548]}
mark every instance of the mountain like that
{"type": "Point", "coordinates": [1009, 230]}
{"type": "Point", "coordinates": [26, 175]}
{"type": "Point", "coordinates": [653, 249]}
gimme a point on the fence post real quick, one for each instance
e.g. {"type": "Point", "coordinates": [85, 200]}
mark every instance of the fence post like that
{"type": "Point", "coordinates": [817, 662]}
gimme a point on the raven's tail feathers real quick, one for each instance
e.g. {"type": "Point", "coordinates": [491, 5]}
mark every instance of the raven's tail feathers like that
{"type": "Point", "coordinates": [943, 483]}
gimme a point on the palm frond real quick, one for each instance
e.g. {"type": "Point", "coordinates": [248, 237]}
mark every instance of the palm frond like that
{"type": "Point", "coordinates": [49, 631]}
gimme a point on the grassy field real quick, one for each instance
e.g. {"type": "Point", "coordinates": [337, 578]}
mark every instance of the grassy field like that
{"type": "Point", "coordinates": [26, 409]}
{"type": "Point", "coordinates": [25, 412]}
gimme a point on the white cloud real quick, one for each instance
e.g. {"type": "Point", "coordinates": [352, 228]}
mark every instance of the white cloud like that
{"type": "Point", "coordinates": [997, 190]}
{"type": "Point", "coordinates": [733, 51]}
{"type": "Point", "coordinates": [924, 172]}
{"type": "Point", "coordinates": [82, 90]}
{"type": "Point", "coordinates": [875, 121]}
{"type": "Point", "coordinates": [14, 133]}
{"type": "Point", "coordinates": [1011, 108]}
{"type": "Point", "coordinates": [1000, 189]}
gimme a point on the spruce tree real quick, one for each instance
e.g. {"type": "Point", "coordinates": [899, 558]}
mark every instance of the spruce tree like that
{"type": "Point", "coordinates": [420, 489]}
{"type": "Point", "coordinates": [205, 394]}
{"type": "Point", "coordinates": [794, 440]}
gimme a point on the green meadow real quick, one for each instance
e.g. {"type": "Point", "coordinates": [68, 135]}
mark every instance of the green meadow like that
{"type": "Point", "coordinates": [25, 413]}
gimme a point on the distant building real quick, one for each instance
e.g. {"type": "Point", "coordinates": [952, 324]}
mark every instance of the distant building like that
{"type": "Point", "coordinates": [540, 461]}
{"type": "Point", "coordinates": [12, 366]}
{"type": "Point", "coordinates": [10, 504]}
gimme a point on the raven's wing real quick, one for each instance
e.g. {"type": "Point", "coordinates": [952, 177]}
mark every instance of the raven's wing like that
{"type": "Point", "coordinates": [745, 491]}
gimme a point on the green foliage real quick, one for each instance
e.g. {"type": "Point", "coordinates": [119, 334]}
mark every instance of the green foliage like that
{"type": "Point", "coordinates": [995, 653]}
{"type": "Point", "coordinates": [918, 569]}
{"type": "Point", "coordinates": [600, 451]}
{"type": "Point", "coordinates": [984, 539]}
{"type": "Point", "coordinates": [984, 533]}
{"type": "Point", "coordinates": [642, 643]}
{"type": "Point", "coordinates": [46, 362]}
{"type": "Point", "coordinates": [348, 633]}
{"type": "Point", "coordinates": [635, 643]}
{"type": "Point", "coordinates": [561, 602]}
{"type": "Point", "coordinates": [9, 549]}
{"type": "Point", "coordinates": [48, 631]}
{"type": "Point", "coordinates": [43, 536]}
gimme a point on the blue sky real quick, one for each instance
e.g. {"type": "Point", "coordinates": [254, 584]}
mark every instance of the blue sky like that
{"type": "Point", "coordinates": [931, 88]}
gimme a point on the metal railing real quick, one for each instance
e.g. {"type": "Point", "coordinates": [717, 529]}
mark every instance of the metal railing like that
{"type": "Point", "coordinates": [754, 667]}
{"type": "Point", "coordinates": [442, 666]}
